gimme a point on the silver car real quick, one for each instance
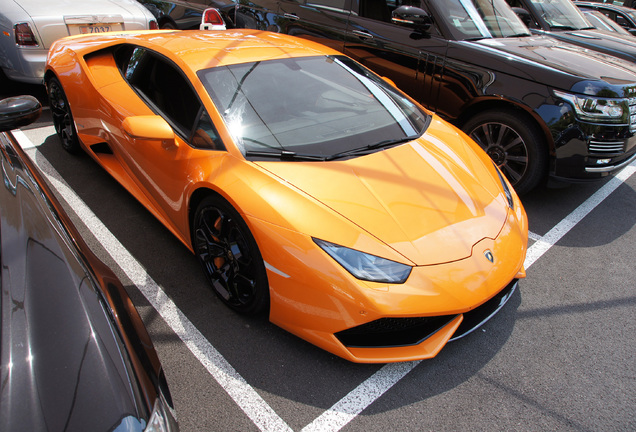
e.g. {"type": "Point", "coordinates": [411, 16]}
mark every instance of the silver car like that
{"type": "Point", "coordinates": [29, 27]}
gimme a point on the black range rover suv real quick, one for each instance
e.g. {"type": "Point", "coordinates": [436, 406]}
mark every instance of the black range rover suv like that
{"type": "Point", "coordinates": [537, 106]}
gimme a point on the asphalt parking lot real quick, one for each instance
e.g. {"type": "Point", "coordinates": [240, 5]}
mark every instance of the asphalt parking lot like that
{"type": "Point", "coordinates": [561, 355]}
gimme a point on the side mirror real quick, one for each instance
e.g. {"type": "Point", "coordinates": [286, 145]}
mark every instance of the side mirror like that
{"type": "Point", "coordinates": [524, 15]}
{"type": "Point", "coordinates": [152, 127]}
{"type": "Point", "coordinates": [413, 17]}
{"type": "Point", "coordinates": [18, 111]}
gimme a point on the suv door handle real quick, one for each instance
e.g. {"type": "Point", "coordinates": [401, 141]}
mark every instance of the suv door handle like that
{"type": "Point", "coordinates": [291, 16]}
{"type": "Point", "coordinates": [362, 34]}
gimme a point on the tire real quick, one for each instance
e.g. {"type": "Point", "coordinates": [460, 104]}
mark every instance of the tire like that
{"type": "Point", "coordinates": [230, 256]}
{"type": "Point", "coordinates": [515, 143]}
{"type": "Point", "coordinates": [62, 116]}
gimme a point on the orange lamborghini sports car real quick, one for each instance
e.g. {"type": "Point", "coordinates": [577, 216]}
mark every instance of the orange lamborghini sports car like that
{"type": "Point", "coordinates": [308, 187]}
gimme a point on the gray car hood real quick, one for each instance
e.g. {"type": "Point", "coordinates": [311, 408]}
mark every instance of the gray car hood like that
{"type": "Point", "coordinates": [62, 361]}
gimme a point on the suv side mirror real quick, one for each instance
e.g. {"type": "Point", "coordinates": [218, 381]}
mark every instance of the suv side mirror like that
{"type": "Point", "coordinates": [18, 111]}
{"type": "Point", "coordinates": [413, 17]}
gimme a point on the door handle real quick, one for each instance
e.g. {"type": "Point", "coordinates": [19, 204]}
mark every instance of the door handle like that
{"type": "Point", "coordinates": [362, 34]}
{"type": "Point", "coordinates": [291, 16]}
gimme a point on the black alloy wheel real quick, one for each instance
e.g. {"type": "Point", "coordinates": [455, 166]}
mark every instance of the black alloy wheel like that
{"type": "Point", "coordinates": [230, 256]}
{"type": "Point", "coordinates": [62, 117]}
{"type": "Point", "coordinates": [514, 143]}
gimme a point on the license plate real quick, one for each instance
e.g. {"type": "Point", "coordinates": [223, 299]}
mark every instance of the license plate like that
{"type": "Point", "coordinates": [88, 29]}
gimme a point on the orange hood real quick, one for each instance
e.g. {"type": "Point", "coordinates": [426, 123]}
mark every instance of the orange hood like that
{"type": "Point", "coordinates": [428, 201]}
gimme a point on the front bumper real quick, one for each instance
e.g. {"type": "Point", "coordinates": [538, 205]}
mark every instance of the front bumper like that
{"type": "Point", "coordinates": [403, 332]}
{"type": "Point", "coordinates": [315, 299]}
{"type": "Point", "coordinates": [588, 151]}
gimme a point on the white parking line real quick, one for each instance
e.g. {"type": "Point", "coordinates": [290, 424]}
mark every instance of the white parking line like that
{"type": "Point", "coordinates": [348, 408]}
{"type": "Point", "coordinates": [263, 416]}
{"type": "Point", "coordinates": [25, 142]}
{"type": "Point", "coordinates": [542, 245]}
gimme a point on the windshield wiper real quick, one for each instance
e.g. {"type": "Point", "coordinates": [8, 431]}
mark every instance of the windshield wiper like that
{"type": "Point", "coordinates": [360, 151]}
{"type": "Point", "coordinates": [285, 155]}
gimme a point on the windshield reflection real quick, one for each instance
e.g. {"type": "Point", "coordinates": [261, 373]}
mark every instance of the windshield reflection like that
{"type": "Point", "coordinates": [299, 108]}
{"type": "Point", "coordinates": [478, 19]}
{"type": "Point", "coordinates": [561, 14]}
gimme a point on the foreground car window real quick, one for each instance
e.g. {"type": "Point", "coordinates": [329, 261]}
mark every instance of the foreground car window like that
{"type": "Point", "coordinates": [311, 105]}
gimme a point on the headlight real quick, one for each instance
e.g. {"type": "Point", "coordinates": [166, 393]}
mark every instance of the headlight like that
{"type": "Point", "coordinates": [610, 110]}
{"type": "Point", "coordinates": [506, 189]}
{"type": "Point", "coordinates": [365, 266]}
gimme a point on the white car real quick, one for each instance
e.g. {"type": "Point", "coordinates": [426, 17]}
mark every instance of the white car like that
{"type": "Point", "coordinates": [29, 27]}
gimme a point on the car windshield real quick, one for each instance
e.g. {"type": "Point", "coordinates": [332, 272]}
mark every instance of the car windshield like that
{"type": "Point", "coordinates": [600, 21]}
{"type": "Point", "coordinates": [478, 19]}
{"type": "Point", "coordinates": [561, 14]}
{"type": "Point", "coordinates": [315, 106]}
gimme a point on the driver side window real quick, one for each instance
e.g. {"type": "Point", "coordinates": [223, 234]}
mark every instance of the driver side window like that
{"type": "Point", "coordinates": [169, 94]}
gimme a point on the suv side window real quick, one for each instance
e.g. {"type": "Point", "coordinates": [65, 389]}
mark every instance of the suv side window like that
{"type": "Point", "coordinates": [519, 4]}
{"type": "Point", "coordinates": [168, 93]}
{"type": "Point", "coordinates": [620, 19]}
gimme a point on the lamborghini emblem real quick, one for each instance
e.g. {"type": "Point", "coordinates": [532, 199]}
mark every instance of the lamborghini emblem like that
{"type": "Point", "coordinates": [489, 256]}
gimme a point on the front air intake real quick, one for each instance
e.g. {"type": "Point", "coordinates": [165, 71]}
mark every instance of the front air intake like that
{"type": "Point", "coordinates": [393, 332]}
